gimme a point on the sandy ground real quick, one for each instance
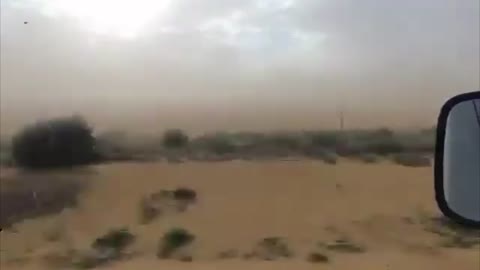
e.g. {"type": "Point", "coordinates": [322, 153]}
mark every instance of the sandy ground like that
{"type": "Point", "coordinates": [383, 207]}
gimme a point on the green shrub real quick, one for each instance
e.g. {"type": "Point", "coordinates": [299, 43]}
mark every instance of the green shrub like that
{"type": "Point", "coordinates": [173, 240]}
{"type": "Point", "coordinates": [116, 239]}
{"type": "Point", "coordinates": [55, 143]}
{"type": "Point", "coordinates": [175, 138]}
{"type": "Point", "coordinates": [105, 249]}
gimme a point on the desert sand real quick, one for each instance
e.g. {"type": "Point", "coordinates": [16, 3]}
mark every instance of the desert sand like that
{"type": "Point", "coordinates": [385, 208]}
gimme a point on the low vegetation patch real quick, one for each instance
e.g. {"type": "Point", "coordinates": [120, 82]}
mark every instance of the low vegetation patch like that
{"type": "Point", "coordinates": [173, 241]}
{"type": "Point", "coordinates": [321, 154]}
{"type": "Point", "coordinates": [412, 160]}
{"type": "Point", "coordinates": [185, 194]}
{"type": "Point", "coordinates": [6, 158]}
{"type": "Point", "coordinates": [271, 248]}
{"type": "Point", "coordinates": [368, 158]}
{"type": "Point", "coordinates": [106, 248]}
{"type": "Point", "coordinates": [317, 257]}
{"type": "Point", "coordinates": [228, 254]}
{"type": "Point", "coordinates": [344, 245]}
{"type": "Point", "coordinates": [28, 195]}
{"type": "Point", "coordinates": [175, 139]}
{"type": "Point", "coordinates": [452, 235]}
{"type": "Point", "coordinates": [165, 201]}
{"type": "Point", "coordinates": [54, 233]}
{"type": "Point", "coordinates": [69, 142]}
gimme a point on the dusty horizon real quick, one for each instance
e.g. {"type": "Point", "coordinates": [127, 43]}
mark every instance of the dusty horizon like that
{"type": "Point", "coordinates": [204, 120]}
{"type": "Point", "coordinates": [235, 65]}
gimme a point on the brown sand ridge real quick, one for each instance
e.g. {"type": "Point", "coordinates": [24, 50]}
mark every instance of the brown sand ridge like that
{"type": "Point", "coordinates": [385, 209]}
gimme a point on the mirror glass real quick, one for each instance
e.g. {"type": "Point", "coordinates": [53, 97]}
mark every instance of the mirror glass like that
{"type": "Point", "coordinates": [461, 160]}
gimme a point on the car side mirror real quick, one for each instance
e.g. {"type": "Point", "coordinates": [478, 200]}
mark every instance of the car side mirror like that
{"type": "Point", "coordinates": [457, 159]}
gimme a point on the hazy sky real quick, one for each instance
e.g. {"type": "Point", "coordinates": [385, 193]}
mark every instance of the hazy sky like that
{"type": "Point", "coordinates": [215, 64]}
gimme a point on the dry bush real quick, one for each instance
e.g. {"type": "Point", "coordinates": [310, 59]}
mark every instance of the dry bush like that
{"type": "Point", "coordinates": [172, 241]}
{"type": "Point", "coordinates": [317, 257]}
{"type": "Point", "coordinates": [165, 201]}
{"type": "Point", "coordinates": [412, 160]}
{"type": "Point", "coordinates": [452, 235]}
{"type": "Point", "coordinates": [105, 249]}
{"type": "Point", "coordinates": [344, 245]}
{"type": "Point", "coordinates": [185, 194]}
{"type": "Point", "coordinates": [271, 248]}
{"type": "Point", "coordinates": [116, 239]}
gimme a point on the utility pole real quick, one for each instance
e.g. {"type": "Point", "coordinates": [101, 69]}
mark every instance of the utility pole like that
{"type": "Point", "coordinates": [341, 118]}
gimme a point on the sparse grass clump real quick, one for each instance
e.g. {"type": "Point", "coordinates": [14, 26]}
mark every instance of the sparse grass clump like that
{"type": "Point", "coordinates": [172, 241]}
{"type": "Point", "coordinates": [412, 160]}
{"type": "Point", "coordinates": [271, 248]}
{"type": "Point", "coordinates": [148, 211]}
{"type": "Point", "coordinates": [452, 234]}
{"type": "Point", "coordinates": [344, 245]}
{"type": "Point", "coordinates": [460, 241]}
{"type": "Point", "coordinates": [317, 257]}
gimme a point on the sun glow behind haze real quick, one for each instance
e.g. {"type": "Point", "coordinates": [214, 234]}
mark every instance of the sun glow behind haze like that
{"type": "Point", "coordinates": [115, 18]}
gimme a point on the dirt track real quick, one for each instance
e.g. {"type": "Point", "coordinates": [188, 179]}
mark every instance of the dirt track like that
{"type": "Point", "coordinates": [385, 208]}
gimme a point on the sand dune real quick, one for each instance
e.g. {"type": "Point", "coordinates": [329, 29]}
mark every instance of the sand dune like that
{"type": "Point", "coordinates": [387, 209]}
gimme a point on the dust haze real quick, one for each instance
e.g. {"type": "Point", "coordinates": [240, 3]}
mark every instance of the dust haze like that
{"type": "Point", "coordinates": [242, 65]}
